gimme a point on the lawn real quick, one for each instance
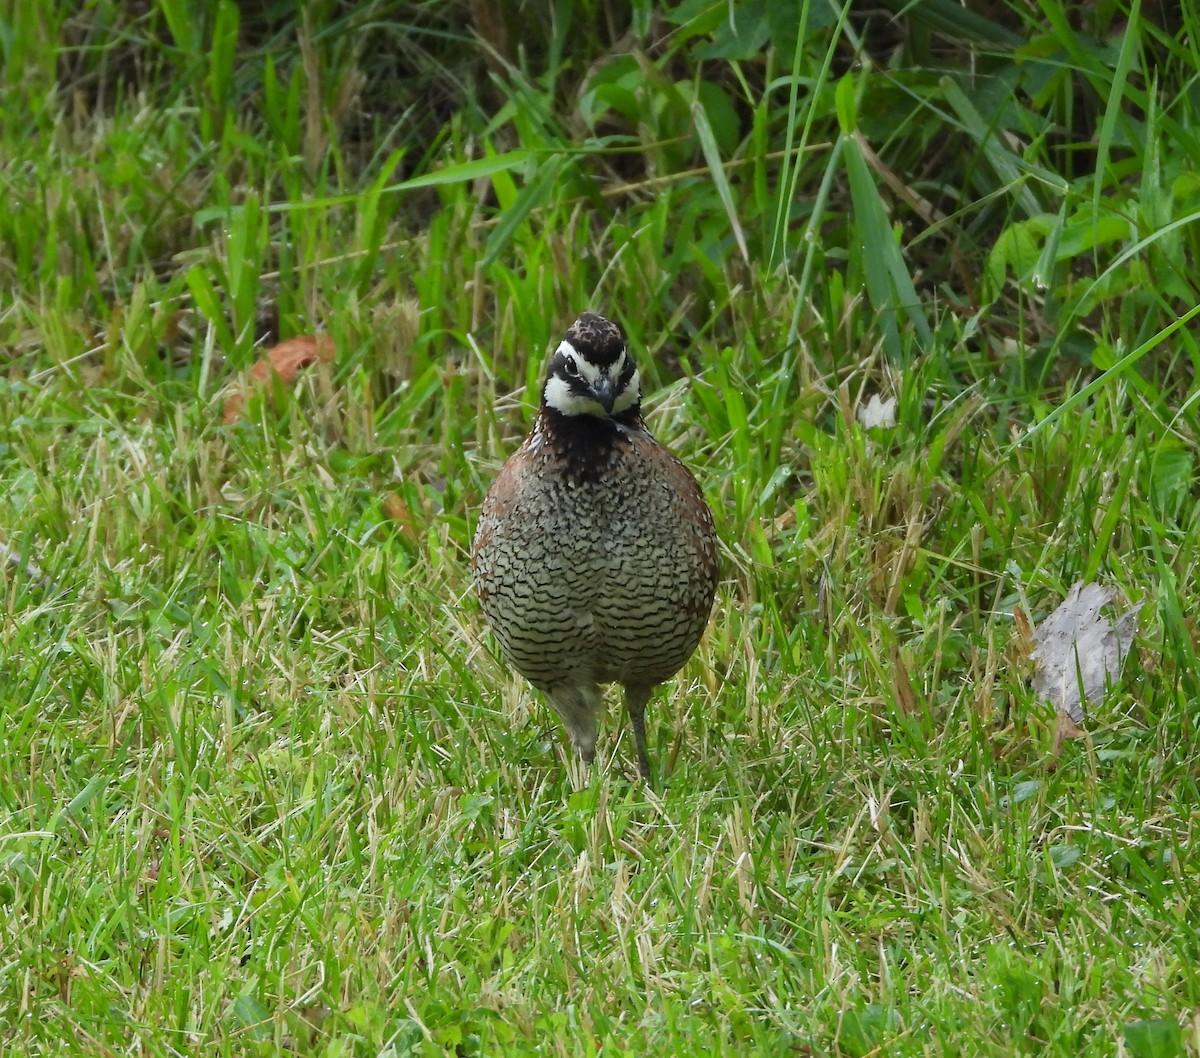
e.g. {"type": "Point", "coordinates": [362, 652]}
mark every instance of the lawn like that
{"type": "Point", "coordinates": [266, 787]}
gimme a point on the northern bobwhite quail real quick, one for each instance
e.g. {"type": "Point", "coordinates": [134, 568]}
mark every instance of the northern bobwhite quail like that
{"type": "Point", "coordinates": [595, 557]}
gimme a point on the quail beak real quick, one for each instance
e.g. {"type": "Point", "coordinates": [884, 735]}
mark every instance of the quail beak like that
{"type": "Point", "coordinates": [604, 393]}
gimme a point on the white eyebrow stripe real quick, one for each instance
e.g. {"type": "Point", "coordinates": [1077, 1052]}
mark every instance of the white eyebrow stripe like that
{"type": "Point", "coordinates": [587, 369]}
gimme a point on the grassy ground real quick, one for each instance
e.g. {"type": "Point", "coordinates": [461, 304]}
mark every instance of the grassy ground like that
{"type": "Point", "coordinates": [264, 785]}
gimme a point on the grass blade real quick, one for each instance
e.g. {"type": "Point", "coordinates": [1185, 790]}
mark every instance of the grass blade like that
{"type": "Point", "coordinates": [712, 156]}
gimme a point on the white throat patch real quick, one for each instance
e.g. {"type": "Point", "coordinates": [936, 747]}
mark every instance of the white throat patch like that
{"type": "Point", "coordinates": [562, 398]}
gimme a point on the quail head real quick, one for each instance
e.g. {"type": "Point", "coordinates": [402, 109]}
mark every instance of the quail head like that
{"type": "Point", "coordinates": [595, 558]}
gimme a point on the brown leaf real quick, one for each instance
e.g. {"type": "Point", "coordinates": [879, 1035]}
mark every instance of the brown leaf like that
{"type": "Point", "coordinates": [1078, 650]}
{"type": "Point", "coordinates": [1067, 728]}
{"type": "Point", "coordinates": [400, 513]}
{"type": "Point", "coordinates": [290, 357]}
{"type": "Point", "coordinates": [286, 360]}
{"type": "Point", "coordinates": [1021, 643]}
{"type": "Point", "coordinates": [1024, 630]}
{"type": "Point", "coordinates": [906, 696]}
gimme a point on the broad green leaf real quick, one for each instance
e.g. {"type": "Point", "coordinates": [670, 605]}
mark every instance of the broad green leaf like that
{"type": "Point", "coordinates": [204, 294]}
{"type": "Point", "coordinates": [253, 1016]}
{"type": "Point", "coordinates": [1172, 474]}
{"type": "Point", "coordinates": [1154, 1038]}
{"type": "Point", "coordinates": [742, 34]}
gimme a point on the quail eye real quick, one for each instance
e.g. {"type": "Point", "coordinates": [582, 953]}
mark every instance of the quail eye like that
{"type": "Point", "coordinates": [571, 367]}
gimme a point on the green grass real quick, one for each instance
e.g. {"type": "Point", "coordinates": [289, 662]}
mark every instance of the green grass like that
{"type": "Point", "coordinates": [265, 786]}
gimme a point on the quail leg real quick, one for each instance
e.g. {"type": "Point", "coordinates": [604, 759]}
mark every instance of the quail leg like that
{"type": "Point", "coordinates": [635, 702]}
{"type": "Point", "coordinates": [579, 704]}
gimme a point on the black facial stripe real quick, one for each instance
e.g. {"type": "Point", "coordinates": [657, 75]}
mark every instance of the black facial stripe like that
{"type": "Point", "coordinates": [581, 387]}
{"type": "Point", "coordinates": [577, 384]}
{"type": "Point", "coordinates": [627, 373]}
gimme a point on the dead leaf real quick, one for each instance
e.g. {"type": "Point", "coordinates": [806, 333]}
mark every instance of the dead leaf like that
{"type": "Point", "coordinates": [286, 360]}
{"type": "Point", "coordinates": [1024, 630]}
{"type": "Point", "coordinates": [1021, 643]}
{"type": "Point", "coordinates": [1064, 729]}
{"type": "Point", "coordinates": [1077, 649]}
{"type": "Point", "coordinates": [877, 413]}
{"type": "Point", "coordinates": [233, 408]}
{"type": "Point", "coordinates": [13, 557]}
{"type": "Point", "coordinates": [906, 696]}
{"type": "Point", "coordinates": [400, 513]}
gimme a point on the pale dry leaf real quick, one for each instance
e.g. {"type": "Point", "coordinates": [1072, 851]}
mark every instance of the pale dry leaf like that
{"type": "Point", "coordinates": [1064, 730]}
{"type": "Point", "coordinates": [877, 413]}
{"type": "Point", "coordinates": [902, 685]}
{"type": "Point", "coordinates": [1021, 644]}
{"type": "Point", "coordinates": [1078, 649]}
{"type": "Point", "coordinates": [1024, 630]}
{"type": "Point", "coordinates": [16, 559]}
{"type": "Point", "coordinates": [13, 557]}
{"type": "Point", "coordinates": [286, 360]}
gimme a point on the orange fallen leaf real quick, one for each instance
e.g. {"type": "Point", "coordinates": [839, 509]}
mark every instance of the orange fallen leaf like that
{"type": "Point", "coordinates": [286, 360]}
{"type": "Point", "coordinates": [400, 513]}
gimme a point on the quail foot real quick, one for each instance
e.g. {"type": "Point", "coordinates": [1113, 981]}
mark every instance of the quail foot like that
{"type": "Point", "coordinates": [595, 557]}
